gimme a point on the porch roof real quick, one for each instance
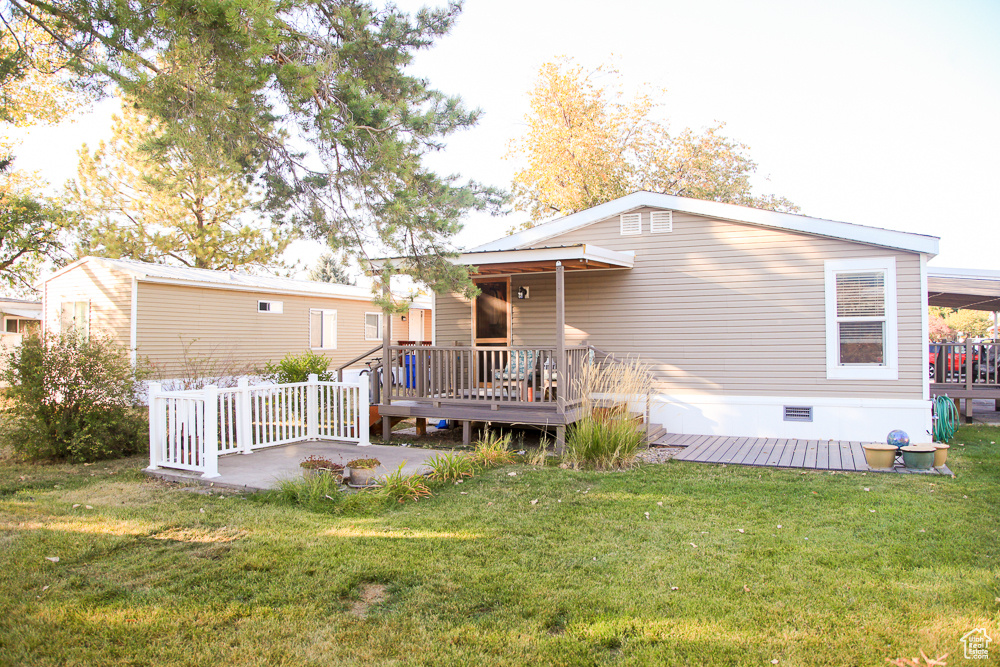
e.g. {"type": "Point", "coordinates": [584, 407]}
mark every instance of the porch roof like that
{"type": "Point", "coordinates": [576, 257]}
{"type": "Point", "coordinates": [974, 289]}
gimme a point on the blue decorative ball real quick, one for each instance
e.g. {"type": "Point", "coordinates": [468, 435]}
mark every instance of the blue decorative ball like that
{"type": "Point", "coordinates": [898, 438]}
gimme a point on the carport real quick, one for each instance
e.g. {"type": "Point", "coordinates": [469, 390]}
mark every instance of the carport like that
{"type": "Point", "coordinates": [968, 370]}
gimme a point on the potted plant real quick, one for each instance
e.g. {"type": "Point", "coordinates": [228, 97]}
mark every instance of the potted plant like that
{"type": "Point", "coordinates": [317, 465]}
{"type": "Point", "coordinates": [879, 456]}
{"type": "Point", "coordinates": [363, 471]}
{"type": "Point", "coordinates": [918, 457]}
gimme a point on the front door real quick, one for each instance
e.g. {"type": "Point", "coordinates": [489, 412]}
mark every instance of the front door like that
{"type": "Point", "coordinates": [416, 322]}
{"type": "Point", "coordinates": [491, 313]}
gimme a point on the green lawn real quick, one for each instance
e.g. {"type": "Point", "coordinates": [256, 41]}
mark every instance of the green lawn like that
{"type": "Point", "coordinates": [154, 574]}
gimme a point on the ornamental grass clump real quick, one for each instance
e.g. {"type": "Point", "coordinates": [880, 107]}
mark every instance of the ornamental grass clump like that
{"type": "Point", "coordinates": [73, 398]}
{"type": "Point", "coordinates": [449, 467]}
{"type": "Point", "coordinates": [400, 487]}
{"type": "Point", "coordinates": [319, 493]}
{"type": "Point", "coordinates": [609, 436]}
{"type": "Point", "coordinates": [492, 449]}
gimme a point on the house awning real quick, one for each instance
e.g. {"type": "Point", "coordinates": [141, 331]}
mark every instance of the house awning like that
{"type": "Point", "coordinates": [578, 257]}
{"type": "Point", "coordinates": [31, 314]}
{"type": "Point", "coordinates": [974, 289]}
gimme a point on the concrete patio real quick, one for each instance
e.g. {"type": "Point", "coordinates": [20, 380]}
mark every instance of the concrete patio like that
{"type": "Point", "coordinates": [266, 467]}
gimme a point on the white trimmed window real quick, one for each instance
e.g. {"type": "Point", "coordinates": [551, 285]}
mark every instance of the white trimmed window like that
{"type": "Point", "coordinates": [75, 315]}
{"type": "Point", "coordinates": [276, 307]}
{"type": "Point", "coordinates": [373, 326]}
{"type": "Point", "coordinates": [861, 333]}
{"type": "Point", "coordinates": [661, 222]}
{"type": "Point", "coordinates": [323, 329]}
{"type": "Point", "coordinates": [631, 224]}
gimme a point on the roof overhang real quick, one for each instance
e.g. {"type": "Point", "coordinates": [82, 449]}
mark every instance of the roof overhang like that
{"type": "Point", "coordinates": [974, 289]}
{"type": "Point", "coordinates": [32, 314]}
{"type": "Point", "coordinates": [579, 257]}
{"type": "Point", "coordinates": [794, 222]}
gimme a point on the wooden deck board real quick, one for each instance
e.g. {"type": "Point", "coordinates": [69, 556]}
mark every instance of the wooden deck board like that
{"type": "Point", "coordinates": [799, 455]}
{"type": "Point", "coordinates": [787, 453]}
{"type": "Point", "coordinates": [716, 453]}
{"type": "Point", "coordinates": [834, 461]}
{"type": "Point", "coordinates": [693, 447]}
{"type": "Point", "coordinates": [753, 448]}
{"type": "Point", "coordinates": [776, 453]}
{"type": "Point", "coordinates": [811, 453]}
{"type": "Point", "coordinates": [860, 463]}
{"type": "Point", "coordinates": [734, 453]}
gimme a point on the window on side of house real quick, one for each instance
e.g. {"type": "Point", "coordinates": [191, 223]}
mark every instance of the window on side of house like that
{"type": "Point", "coordinates": [323, 329]}
{"type": "Point", "coordinates": [861, 333]}
{"type": "Point", "coordinates": [373, 326]}
{"type": "Point", "coordinates": [276, 307]}
{"type": "Point", "coordinates": [75, 316]}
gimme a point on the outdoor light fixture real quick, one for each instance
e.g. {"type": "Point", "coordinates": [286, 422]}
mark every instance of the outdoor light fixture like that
{"type": "Point", "coordinates": [522, 292]}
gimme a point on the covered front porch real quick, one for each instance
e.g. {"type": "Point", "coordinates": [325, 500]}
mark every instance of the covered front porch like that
{"type": "Point", "coordinates": [487, 378]}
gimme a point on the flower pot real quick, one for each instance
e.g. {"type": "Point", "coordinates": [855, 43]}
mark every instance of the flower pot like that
{"type": "Point", "coordinates": [919, 457]}
{"type": "Point", "coordinates": [879, 456]}
{"type": "Point", "coordinates": [940, 454]}
{"type": "Point", "coordinates": [363, 476]}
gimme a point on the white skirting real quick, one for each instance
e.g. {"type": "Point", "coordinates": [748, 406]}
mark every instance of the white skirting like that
{"type": "Point", "coordinates": [865, 419]}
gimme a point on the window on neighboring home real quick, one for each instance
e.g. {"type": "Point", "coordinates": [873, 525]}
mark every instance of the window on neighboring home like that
{"type": "Point", "coordinates": [373, 326]}
{"type": "Point", "coordinates": [861, 336]}
{"type": "Point", "coordinates": [276, 307]}
{"type": "Point", "coordinates": [75, 315]}
{"type": "Point", "coordinates": [323, 329]}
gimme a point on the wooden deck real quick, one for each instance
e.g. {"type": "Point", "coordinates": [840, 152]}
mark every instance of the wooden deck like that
{"type": "Point", "coordinates": [539, 414]}
{"type": "Point", "coordinates": [778, 453]}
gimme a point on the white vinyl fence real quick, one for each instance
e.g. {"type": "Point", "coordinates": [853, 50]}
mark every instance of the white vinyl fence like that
{"type": "Point", "coordinates": [189, 430]}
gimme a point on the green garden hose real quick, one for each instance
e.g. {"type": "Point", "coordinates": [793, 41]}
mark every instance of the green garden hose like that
{"type": "Point", "coordinates": [945, 418]}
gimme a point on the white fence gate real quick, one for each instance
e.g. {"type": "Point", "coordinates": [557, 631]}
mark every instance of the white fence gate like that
{"type": "Point", "coordinates": [189, 430]}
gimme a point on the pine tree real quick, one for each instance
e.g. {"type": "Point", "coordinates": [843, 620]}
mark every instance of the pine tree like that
{"type": "Point", "coordinates": [329, 270]}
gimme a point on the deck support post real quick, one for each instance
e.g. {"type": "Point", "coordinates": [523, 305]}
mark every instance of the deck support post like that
{"type": "Point", "coordinates": [466, 432]}
{"type": "Point", "coordinates": [560, 440]}
{"type": "Point", "coordinates": [386, 429]}
{"type": "Point", "coordinates": [421, 426]}
{"type": "Point", "coordinates": [561, 362]}
{"type": "Point", "coordinates": [386, 341]}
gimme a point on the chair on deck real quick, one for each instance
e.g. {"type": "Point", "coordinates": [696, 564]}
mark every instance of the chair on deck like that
{"type": "Point", "coordinates": [520, 367]}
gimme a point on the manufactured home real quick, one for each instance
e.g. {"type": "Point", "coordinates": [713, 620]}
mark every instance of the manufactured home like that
{"type": "Point", "coordinates": [182, 319]}
{"type": "Point", "coordinates": [752, 322]}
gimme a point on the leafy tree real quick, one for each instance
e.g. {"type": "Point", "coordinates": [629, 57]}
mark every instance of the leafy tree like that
{"type": "Point", "coordinates": [329, 270]}
{"type": "Point", "coordinates": [312, 98]}
{"type": "Point", "coordinates": [29, 232]}
{"type": "Point", "coordinates": [584, 147]}
{"type": "Point", "coordinates": [937, 328]}
{"type": "Point", "coordinates": [973, 323]}
{"type": "Point", "coordinates": [174, 208]}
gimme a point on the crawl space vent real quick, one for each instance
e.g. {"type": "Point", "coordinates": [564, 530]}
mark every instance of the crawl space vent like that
{"type": "Point", "coordinates": [798, 414]}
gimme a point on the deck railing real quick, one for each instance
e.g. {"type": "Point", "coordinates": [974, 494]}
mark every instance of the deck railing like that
{"type": "Point", "coordinates": [189, 430]}
{"type": "Point", "coordinates": [969, 364]}
{"type": "Point", "coordinates": [514, 375]}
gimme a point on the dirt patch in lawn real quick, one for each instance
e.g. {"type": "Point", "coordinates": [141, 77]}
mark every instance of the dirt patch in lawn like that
{"type": "Point", "coordinates": [371, 595]}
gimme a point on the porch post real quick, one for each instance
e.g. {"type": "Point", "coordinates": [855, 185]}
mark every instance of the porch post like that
{"type": "Point", "coordinates": [561, 375]}
{"type": "Point", "coordinates": [155, 428]}
{"type": "Point", "coordinates": [210, 433]}
{"type": "Point", "coordinates": [244, 416]}
{"type": "Point", "coordinates": [312, 407]}
{"type": "Point", "coordinates": [386, 357]}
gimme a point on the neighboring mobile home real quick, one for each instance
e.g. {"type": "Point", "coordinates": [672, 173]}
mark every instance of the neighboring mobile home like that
{"type": "Point", "coordinates": [20, 317]}
{"type": "Point", "coordinates": [183, 319]}
{"type": "Point", "coordinates": [755, 323]}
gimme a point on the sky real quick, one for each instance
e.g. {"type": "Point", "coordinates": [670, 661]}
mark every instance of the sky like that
{"type": "Point", "coordinates": [872, 112]}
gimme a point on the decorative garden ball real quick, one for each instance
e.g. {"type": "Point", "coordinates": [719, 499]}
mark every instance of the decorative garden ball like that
{"type": "Point", "coordinates": [898, 438]}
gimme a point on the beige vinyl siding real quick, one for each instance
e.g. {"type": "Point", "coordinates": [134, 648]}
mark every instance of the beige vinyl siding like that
{"type": "Point", "coordinates": [452, 320]}
{"type": "Point", "coordinates": [180, 327]}
{"type": "Point", "coordinates": [109, 293]}
{"type": "Point", "coordinates": [717, 307]}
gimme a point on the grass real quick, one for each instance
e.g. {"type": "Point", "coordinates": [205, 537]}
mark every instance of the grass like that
{"type": "Point", "coordinates": [478, 574]}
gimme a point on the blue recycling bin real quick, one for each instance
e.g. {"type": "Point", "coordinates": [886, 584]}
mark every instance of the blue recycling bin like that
{"type": "Point", "coordinates": [410, 370]}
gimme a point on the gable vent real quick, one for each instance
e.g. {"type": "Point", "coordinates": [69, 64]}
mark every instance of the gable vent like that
{"type": "Point", "coordinates": [631, 224]}
{"type": "Point", "coordinates": [661, 222]}
{"type": "Point", "coordinates": [798, 414]}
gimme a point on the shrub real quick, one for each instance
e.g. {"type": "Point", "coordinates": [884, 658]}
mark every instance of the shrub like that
{"type": "Point", "coordinates": [608, 436]}
{"type": "Point", "coordinates": [364, 464]}
{"type": "Point", "coordinates": [73, 399]}
{"type": "Point", "coordinates": [493, 449]}
{"type": "Point", "coordinates": [449, 467]}
{"type": "Point", "coordinates": [294, 368]}
{"type": "Point", "coordinates": [401, 488]}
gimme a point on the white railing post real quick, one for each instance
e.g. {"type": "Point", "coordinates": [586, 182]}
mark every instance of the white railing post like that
{"type": "Point", "coordinates": [312, 407]}
{"type": "Point", "coordinates": [363, 425]}
{"type": "Point", "coordinates": [244, 430]}
{"type": "Point", "coordinates": [155, 430]}
{"type": "Point", "coordinates": [210, 435]}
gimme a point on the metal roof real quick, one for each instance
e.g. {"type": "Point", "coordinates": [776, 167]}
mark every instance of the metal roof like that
{"type": "Point", "coordinates": [975, 289]}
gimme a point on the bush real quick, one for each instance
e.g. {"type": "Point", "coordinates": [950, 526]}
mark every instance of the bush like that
{"type": "Point", "coordinates": [293, 368]}
{"type": "Point", "coordinates": [73, 399]}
